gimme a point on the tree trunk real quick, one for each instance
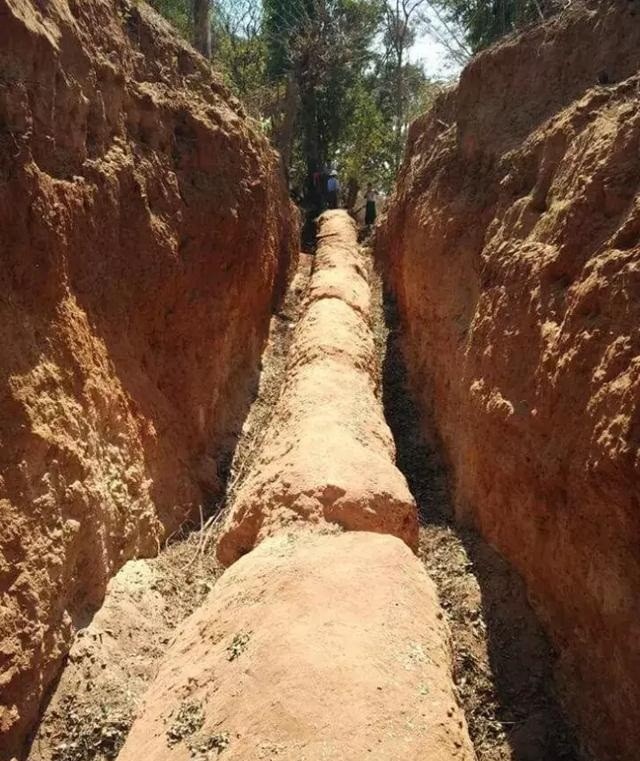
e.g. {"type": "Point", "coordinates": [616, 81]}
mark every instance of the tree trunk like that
{"type": "Point", "coordinates": [311, 142]}
{"type": "Point", "coordinates": [285, 130]}
{"type": "Point", "coordinates": [399, 109]}
{"type": "Point", "coordinates": [202, 27]}
{"type": "Point", "coordinates": [353, 187]}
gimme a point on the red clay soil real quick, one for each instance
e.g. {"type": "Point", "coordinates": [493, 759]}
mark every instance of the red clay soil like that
{"type": "Point", "coordinates": [114, 657]}
{"type": "Point", "coordinates": [314, 647]}
{"type": "Point", "coordinates": [513, 248]}
{"type": "Point", "coordinates": [328, 457]}
{"type": "Point", "coordinates": [145, 234]}
{"type": "Point", "coordinates": [503, 662]}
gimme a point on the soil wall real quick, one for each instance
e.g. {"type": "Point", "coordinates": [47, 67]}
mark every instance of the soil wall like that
{"type": "Point", "coordinates": [513, 247]}
{"type": "Point", "coordinates": [145, 234]}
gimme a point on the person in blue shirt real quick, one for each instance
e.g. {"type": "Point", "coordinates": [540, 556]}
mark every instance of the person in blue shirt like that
{"type": "Point", "coordinates": [333, 190]}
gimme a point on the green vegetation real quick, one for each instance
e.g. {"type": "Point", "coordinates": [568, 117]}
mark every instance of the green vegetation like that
{"type": "Point", "coordinates": [178, 12]}
{"type": "Point", "coordinates": [331, 81]}
{"type": "Point", "coordinates": [485, 21]}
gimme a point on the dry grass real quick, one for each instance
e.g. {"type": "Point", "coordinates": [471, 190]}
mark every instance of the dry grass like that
{"type": "Point", "coordinates": [112, 661]}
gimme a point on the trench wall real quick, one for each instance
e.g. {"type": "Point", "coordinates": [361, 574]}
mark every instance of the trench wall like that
{"type": "Point", "coordinates": [512, 246]}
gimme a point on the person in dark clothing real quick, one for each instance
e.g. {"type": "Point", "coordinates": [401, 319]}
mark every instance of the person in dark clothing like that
{"type": "Point", "coordinates": [371, 211]}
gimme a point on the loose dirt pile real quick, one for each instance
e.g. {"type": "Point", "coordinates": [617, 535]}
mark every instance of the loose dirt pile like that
{"type": "Point", "coordinates": [328, 455]}
{"type": "Point", "coordinates": [145, 234]}
{"type": "Point", "coordinates": [318, 647]}
{"type": "Point", "coordinates": [513, 247]}
{"type": "Point", "coordinates": [116, 655]}
{"type": "Point", "coordinates": [315, 644]}
{"type": "Point", "coordinates": [273, 368]}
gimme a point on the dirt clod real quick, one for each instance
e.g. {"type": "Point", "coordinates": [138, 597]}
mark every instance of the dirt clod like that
{"type": "Point", "coordinates": [201, 750]}
{"type": "Point", "coordinates": [238, 645]}
{"type": "Point", "coordinates": [92, 731]}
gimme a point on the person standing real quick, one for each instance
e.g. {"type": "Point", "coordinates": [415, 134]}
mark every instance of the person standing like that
{"type": "Point", "coordinates": [326, 173]}
{"type": "Point", "coordinates": [333, 190]}
{"type": "Point", "coordinates": [371, 210]}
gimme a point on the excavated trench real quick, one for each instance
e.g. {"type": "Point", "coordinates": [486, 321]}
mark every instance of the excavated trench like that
{"type": "Point", "coordinates": [501, 662]}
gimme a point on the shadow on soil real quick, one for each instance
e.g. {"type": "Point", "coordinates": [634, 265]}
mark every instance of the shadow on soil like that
{"type": "Point", "coordinates": [502, 661]}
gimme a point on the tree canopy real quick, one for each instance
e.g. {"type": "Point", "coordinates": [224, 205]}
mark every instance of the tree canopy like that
{"type": "Point", "coordinates": [332, 81]}
{"type": "Point", "coordinates": [485, 21]}
{"type": "Point", "coordinates": [329, 80]}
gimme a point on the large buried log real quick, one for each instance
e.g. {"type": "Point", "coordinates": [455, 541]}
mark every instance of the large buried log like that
{"type": "Point", "coordinates": [328, 457]}
{"type": "Point", "coordinates": [316, 645]}
{"type": "Point", "coordinates": [327, 647]}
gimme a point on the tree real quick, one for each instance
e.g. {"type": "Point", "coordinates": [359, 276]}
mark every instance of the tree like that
{"type": "Point", "coordinates": [401, 21]}
{"type": "Point", "coordinates": [202, 27]}
{"type": "Point", "coordinates": [329, 80]}
{"type": "Point", "coordinates": [178, 12]}
{"type": "Point", "coordinates": [446, 30]}
{"type": "Point", "coordinates": [241, 52]}
{"type": "Point", "coordinates": [485, 22]}
{"type": "Point", "coordinates": [192, 18]}
{"type": "Point", "coordinates": [366, 146]}
{"type": "Point", "coordinates": [324, 47]}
